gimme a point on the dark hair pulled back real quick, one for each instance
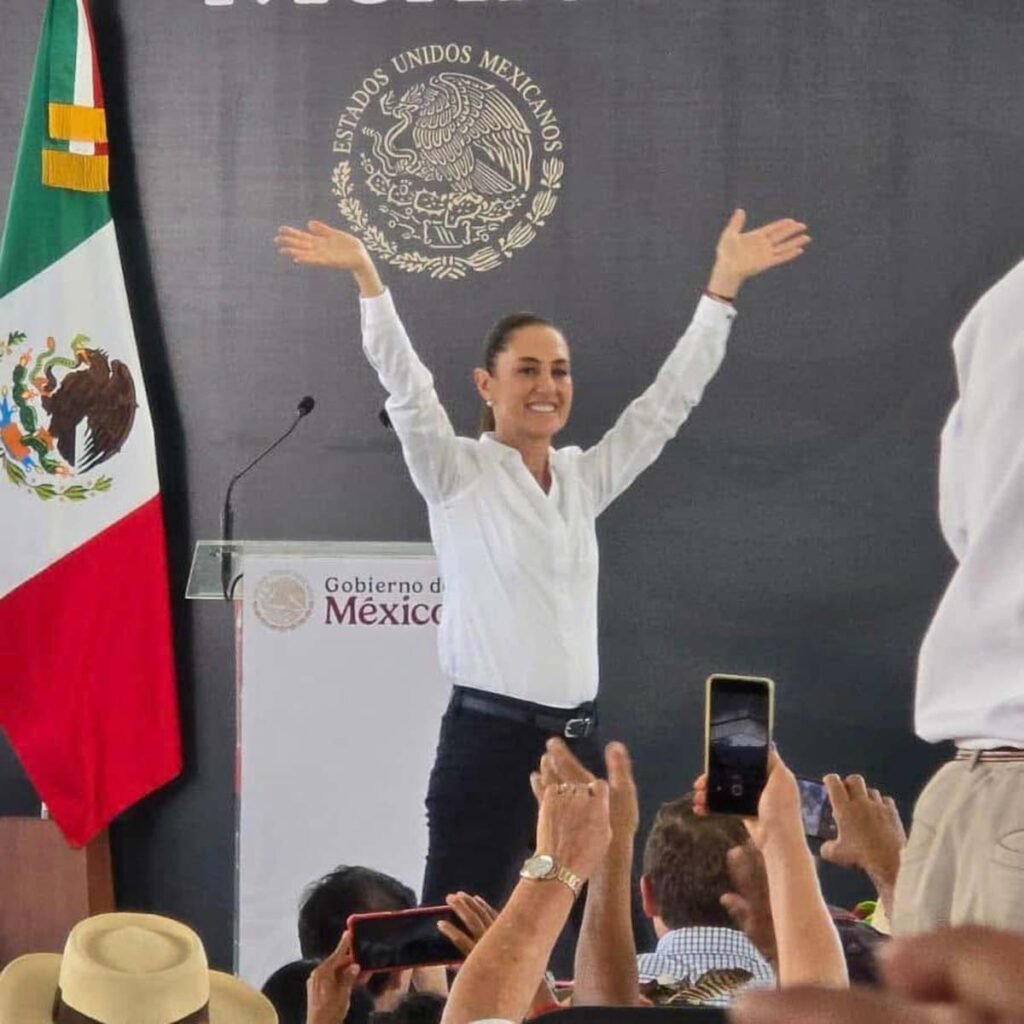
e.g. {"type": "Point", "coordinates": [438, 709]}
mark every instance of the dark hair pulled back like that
{"type": "Point", "coordinates": [496, 342]}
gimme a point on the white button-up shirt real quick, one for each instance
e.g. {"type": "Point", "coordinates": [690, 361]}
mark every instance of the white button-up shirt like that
{"type": "Point", "coordinates": [970, 676]}
{"type": "Point", "coordinates": [520, 566]}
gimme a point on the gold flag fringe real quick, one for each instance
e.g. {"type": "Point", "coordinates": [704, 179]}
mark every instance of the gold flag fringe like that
{"type": "Point", "coordinates": [80, 124]}
{"type": "Point", "coordinates": [77, 171]}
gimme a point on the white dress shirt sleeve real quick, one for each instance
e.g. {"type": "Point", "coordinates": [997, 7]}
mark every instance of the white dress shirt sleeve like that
{"type": "Point", "coordinates": [951, 482]}
{"type": "Point", "coordinates": [653, 419]}
{"type": "Point", "coordinates": [417, 416]}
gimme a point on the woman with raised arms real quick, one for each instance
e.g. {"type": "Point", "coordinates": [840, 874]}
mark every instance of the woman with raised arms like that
{"type": "Point", "coordinates": [513, 523]}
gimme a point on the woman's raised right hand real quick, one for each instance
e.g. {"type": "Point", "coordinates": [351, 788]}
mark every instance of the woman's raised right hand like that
{"type": "Point", "coordinates": [322, 246]}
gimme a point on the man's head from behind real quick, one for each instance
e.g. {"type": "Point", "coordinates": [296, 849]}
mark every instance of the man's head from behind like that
{"type": "Point", "coordinates": [685, 871]}
{"type": "Point", "coordinates": [328, 903]}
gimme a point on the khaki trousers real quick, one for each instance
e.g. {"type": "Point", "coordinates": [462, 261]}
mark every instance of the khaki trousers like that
{"type": "Point", "coordinates": [964, 862]}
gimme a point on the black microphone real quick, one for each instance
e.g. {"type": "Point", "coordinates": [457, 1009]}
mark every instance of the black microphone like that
{"type": "Point", "coordinates": [227, 518]}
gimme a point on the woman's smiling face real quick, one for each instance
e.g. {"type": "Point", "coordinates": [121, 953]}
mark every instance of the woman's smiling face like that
{"type": "Point", "coordinates": [530, 389]}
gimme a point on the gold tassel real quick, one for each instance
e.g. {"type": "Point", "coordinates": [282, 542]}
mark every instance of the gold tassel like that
{"type": "Point", "coordinates": [77, 171]}
{"type": "Point", "coordinates": [80, 124]}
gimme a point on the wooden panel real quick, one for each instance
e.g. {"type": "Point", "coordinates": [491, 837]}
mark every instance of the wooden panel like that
{"type": "Point", "coordinates": [46, 886]}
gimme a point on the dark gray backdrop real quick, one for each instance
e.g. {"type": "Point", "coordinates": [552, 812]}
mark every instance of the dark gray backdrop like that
{"type": "Point", "coordinates": [790, 531]}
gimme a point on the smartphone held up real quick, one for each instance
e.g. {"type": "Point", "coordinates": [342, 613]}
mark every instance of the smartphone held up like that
{"type": "Point", "coordinates": [399, 939]}
{"type": "Point", "coordinates": [816, 810]}
{"type": "Point", "coordinates": [738, 734]}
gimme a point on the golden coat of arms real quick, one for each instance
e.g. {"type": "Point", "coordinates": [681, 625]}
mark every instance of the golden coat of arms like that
{"type": "Point", "coordinates": [453, 160]}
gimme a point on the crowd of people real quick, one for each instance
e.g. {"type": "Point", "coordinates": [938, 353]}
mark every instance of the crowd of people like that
{"type": "Point", "coordinates": [735, 903]}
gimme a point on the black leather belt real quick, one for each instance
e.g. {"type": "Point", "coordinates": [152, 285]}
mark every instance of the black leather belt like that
{"type": "Point", "coordinates": [572, 723]}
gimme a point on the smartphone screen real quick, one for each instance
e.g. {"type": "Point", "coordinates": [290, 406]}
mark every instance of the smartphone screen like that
{"type": "Point", "coordinates": [739, 734]}
{"type": "Point", "coordinates": [404, 938]}
{"type": "Point", "coordinates": [816, 809]}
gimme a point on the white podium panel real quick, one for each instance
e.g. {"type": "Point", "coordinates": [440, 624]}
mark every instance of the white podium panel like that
{"type": "Point", "coordinates": [341, 700]}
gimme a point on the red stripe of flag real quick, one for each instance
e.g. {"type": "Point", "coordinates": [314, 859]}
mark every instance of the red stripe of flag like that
{"type": "Point", "coordinates": [87, 695]}
{"type": "Point", "coordinates": [97, 85]}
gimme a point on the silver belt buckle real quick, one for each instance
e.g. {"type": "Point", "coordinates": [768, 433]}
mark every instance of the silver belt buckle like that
{"type": "Point", "coordinates": [577, 728]}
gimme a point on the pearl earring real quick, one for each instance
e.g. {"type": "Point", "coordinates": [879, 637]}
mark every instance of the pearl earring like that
{"type": "Point", "coordinates": [489, 404]}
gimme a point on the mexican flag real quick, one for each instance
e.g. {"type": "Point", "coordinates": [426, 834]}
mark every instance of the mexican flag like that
{"type": "Point", "coordinates": [87, 687]}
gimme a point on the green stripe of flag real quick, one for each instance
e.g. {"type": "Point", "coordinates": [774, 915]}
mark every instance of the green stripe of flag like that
{"type": "Point", "coordinates": [63, 50]}
{"type": "Point", "coordinates": [43, 224]}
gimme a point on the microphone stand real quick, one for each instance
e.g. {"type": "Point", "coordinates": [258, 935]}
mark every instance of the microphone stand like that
{"type": "Point", "coordinates": [227, 517]}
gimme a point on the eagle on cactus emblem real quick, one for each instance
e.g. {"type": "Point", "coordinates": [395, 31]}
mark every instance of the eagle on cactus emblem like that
{"type": "Point", "coordinates": [62, 416]}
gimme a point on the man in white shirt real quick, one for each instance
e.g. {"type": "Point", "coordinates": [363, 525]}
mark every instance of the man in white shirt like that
{"type": "Point", "coordinates": [965, 858]}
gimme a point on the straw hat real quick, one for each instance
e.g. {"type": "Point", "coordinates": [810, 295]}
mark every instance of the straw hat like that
{"type": "Point", "coordinates": [127, 969]}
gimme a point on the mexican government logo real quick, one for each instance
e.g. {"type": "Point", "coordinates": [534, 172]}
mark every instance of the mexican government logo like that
{"type": "Point", "coordinates": [283, 600]}
{"type": "Point", "coordinates": [62, 416]}
{"type": "Point", "coordinates": [452, 160]}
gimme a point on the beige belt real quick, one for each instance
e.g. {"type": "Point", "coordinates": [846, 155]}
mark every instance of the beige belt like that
{"type": "Point", "coordinates": [997, 754]}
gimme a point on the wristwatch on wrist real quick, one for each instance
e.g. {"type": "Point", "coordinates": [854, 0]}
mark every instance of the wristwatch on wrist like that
{"type": "Point", "coordinates": [542, 868]}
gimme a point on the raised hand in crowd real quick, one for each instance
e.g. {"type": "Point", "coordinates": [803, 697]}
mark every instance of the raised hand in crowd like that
{"type": "Point", "coordinates": [320, 245]}
{"type": "Point", "coordinates": [605, 968]}
{"type": "Point", "coordinates": [749, 904]}
{"type": "Point", "coordinates": [501, 974]}
{"type": "Point", "coordinates": [477, 915]}
{"type": "Point", "coordinates": [559, 765]}
{"type": "Point", "coordinates": [953, 976]}
{"type": "Point", "coordinates": [809, 951]}
{"type": "Point", "coordinates": [741, 254]}
{"type": "Point", "coordinates": [574, 825]}
{"type": "Point", "coordinates": [871, 835]}
{"type": "Point", "coordinates": [330, 985]}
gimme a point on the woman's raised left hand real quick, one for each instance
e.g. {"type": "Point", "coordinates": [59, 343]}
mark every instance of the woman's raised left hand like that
{"type": "Point", "coordinates": [743, 254]}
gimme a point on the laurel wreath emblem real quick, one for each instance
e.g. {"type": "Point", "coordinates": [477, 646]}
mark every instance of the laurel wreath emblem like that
{"type": "Point", "coordinates": [450, 267]}
{"type": "Point", "coordinates": [47, 491]}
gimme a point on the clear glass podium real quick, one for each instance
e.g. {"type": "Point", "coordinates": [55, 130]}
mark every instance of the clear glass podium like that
{"type": "Point", "coordinates": [213, 561]}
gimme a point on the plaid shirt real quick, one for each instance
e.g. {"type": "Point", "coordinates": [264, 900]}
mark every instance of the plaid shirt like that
{"type": "Point", "coordinates": [689, 953]}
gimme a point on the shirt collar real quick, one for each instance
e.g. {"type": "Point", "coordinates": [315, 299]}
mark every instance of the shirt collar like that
{"type": "Point", "coordinates": [680, 941]}
{"type": "Point", "coordinates": [505, 451]}
{"type": "Point", "coordinates": [495, 447]}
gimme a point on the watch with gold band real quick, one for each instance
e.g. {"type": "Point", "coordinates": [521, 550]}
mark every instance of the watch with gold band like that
{"type": "Point", "coordinates": [543, 868]}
